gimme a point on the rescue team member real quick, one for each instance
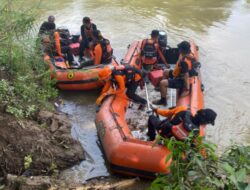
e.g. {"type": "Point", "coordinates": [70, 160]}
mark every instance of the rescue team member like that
{"type": "Point", "coordinates": [100, 50]}
{"type": "Point", "coordinates": [55, 48]}
{"type": "Point", "coordinates": [150, 51]}
{"type": "Point", "coordinates": [179, 78]}
{"type": "Point", "coordinates": [124, 77]}
{"type": "Point", "coordinates": [175, 116]}
{"type": "Point", "coordinates": [87, 35]}
{"type": "Point", "coordinates": [47, 26]}
{"type": "Point", "coordinates": [95, 48]}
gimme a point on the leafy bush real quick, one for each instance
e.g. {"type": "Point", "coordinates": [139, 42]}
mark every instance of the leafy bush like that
{"type": "Point", "coordinates": [28, 85]}
{"type": "Point", "coordinates": [195, 166]}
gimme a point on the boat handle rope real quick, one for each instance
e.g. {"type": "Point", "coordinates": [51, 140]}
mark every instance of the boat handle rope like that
{"type": "Point", "coordinates": [116, 121]}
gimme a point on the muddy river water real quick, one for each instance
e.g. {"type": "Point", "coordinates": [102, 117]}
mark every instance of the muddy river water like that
{"type": "Point", "coordinates": [220, 28]}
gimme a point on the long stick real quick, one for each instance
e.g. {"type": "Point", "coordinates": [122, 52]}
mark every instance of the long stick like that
{"type": "Point", "coordinates": [146, 89]}
{"type": "Point", "coordinates": [171, 97]}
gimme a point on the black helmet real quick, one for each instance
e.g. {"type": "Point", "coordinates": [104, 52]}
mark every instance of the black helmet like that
{"type": "Point", "coordinates": [206, 116]}
{"type": "Point", "coordinates": [155, 33]}
{"type": "Point", "coordinates": [86, 20]}
{"type": "Point", "coordinates": [184, 47]}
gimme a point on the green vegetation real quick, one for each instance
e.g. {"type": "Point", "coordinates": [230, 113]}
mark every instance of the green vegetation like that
{"type": "Point", "coordinates": [25, 83]}
{"type": "Point", "coordinates": [27, 161]}
{"type": "Point", "coordinates": [195, 166]}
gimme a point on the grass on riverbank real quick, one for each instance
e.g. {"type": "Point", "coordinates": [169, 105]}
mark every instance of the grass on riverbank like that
{"type": "Point", "coordinates": [195, 165]}
{"type": "Point", "coordinates": [25, 84]}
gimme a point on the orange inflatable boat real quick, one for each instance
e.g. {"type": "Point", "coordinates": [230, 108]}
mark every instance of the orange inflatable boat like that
{"type": "Point", "coordinates": [125, 153]}
{"type": "Point", "coordinates": [77, 77]}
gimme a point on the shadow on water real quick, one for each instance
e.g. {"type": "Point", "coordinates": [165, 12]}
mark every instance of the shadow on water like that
{"type": "Point", "coordinates": [80, 106]}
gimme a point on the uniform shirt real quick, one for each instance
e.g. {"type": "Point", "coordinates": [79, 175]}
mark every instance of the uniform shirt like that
{"type": "Point", "coordinates": [178, 115]}
{"type": "Point", "coordinates": [121, 86]}
{"type": "Point", "coordinates": [46, 27]}
{"type": "Point", "coordinates": [83, 32]}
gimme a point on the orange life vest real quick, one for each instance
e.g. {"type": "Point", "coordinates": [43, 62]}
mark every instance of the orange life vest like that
{"type": "Point", "coordinates": [57, 44]}
{"type": "Point", "coordinates": [149, 52]}
{"type": "Point", "coordinates": [107, 51]}
{"type": "Point", "coordinates": [179, 131]}
{"type": "Point", "coordinates": [189, 59]}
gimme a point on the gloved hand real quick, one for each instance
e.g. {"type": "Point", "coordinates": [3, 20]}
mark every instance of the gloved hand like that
{"type": "Point", "coordinates": [154, 108]}
{"type": "Point", "coordinates": [100, 98]}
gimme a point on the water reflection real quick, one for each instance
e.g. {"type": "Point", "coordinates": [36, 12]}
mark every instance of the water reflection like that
{"type": "Point", "coordinates": [81, 110]}
{"type": "Point", "coordinates": [195, 15]}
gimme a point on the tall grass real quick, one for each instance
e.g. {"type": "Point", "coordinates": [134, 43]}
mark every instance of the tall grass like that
{"type": "Point", "coordinates": [25, 84]}
{"type": "Point", "coordinates": [195, 166]}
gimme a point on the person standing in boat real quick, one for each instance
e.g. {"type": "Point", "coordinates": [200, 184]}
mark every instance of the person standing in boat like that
{"type": "Point", "coordinates": [179, 77]}
{"type": "Point", "coordinates": [150, 52]}
{"type": "Point", "coordinates": [117, 80]}
{"type": "Point", "coordinates": [87, 35]}
{"type": "Point", "coordinates": [47, 26]}
{"type": "Point", "coordinates": [176, 116]}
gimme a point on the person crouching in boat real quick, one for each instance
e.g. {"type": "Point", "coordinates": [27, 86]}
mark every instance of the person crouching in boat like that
{"type": "Point", "coordinates": [150, 51]}
{"type": "Point", "coordinates": [176, 116]}
{"type": "Point", "coordinates": [118, 79]}
{"type": "Point", "coordinates": [179, 77]}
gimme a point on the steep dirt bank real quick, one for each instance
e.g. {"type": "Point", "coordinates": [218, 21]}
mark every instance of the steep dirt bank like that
{"type": "Point", "coordinates": [47, 141]}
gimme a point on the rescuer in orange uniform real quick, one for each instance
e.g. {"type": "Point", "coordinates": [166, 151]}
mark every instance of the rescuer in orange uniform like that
{"type": "Point", "coordinates": [117, 80]}
{"type": "Point", "coordinates": [179, 77]}
{"type": "Point", "coordinates": [176, 116]}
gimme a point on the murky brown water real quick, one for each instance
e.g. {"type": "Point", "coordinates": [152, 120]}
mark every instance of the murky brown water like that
{"type": "Point", "coordinates": [220, 28]}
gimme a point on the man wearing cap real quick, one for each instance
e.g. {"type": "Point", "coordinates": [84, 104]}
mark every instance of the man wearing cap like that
{"type": "Point", "coordinates": [123, 77]}
{"type": "Point", "coordinates": [87, 35]}
{"type": "Point", "coordinates": [150, 51]}
{"type": "Point", "coordinates": [176, 116]}
{"type": "Point", "coordinates": [48, 26]}
{"type": "Point", "coordinates": [179, 77]}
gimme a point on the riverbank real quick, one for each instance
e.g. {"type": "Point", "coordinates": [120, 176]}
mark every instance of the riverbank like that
{"type": "Point", "coordinates": [42, 146]}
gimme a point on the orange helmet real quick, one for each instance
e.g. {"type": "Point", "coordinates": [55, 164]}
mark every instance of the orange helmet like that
{"type": "Point", "coordinates": [104, 73]}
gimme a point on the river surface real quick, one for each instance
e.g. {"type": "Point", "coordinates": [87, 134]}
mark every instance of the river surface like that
{"type": "Point", "coordinates": [220, 28]}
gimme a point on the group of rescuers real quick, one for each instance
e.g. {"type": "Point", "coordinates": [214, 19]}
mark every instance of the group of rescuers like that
{"type": "Point", "coordinates": [126, 79]}
{"type": "Point", "coordinates": [56, 42]}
